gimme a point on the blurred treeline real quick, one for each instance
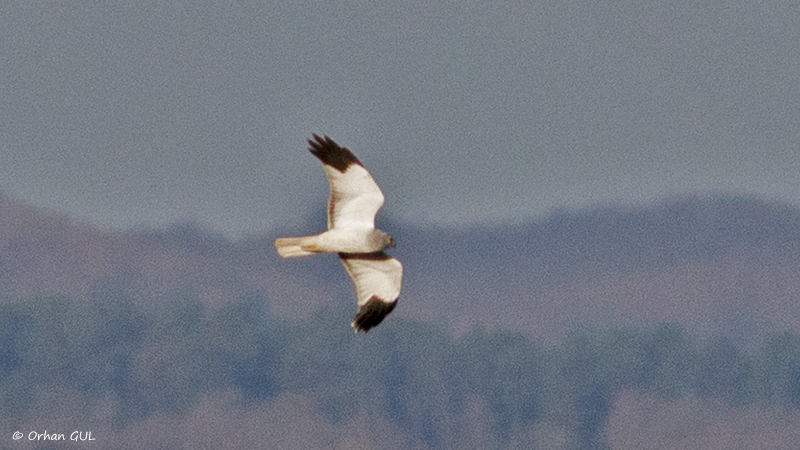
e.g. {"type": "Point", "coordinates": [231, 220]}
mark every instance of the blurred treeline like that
{"type": "Point", "coordinates": [413, 375]}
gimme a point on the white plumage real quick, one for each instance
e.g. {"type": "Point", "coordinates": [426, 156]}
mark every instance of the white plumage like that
{"type": "Point", "coordinates": [354, 201]}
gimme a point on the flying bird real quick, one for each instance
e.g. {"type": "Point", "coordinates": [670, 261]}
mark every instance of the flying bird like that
{"type": "Point", "coordinates": [353, 203]}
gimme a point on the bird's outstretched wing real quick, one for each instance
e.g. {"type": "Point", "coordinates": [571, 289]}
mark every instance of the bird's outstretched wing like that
{"type": "Point", "coordinates": [378, 278]}
{"type": "Point", "coordinates": [355, 197]}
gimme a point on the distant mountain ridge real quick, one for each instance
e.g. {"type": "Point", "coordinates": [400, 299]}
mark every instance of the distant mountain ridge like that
{"type": "Point", "coordinates": [716, 264]}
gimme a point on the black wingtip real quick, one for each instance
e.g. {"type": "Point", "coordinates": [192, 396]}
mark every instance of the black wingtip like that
{"type": "Point", "coordinates": [372, 313]}
{"type": "Point", "coordinates": [331, 153]}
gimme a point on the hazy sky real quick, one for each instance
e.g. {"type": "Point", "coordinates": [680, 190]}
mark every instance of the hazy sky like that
{"type": "Point", "coordinates": [136, 113]}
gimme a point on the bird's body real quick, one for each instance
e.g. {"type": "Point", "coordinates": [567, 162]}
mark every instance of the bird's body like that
{"type": "Point", "coordinates": [335, 240]}
{"type": "Point", "coordinates": [354, 201]}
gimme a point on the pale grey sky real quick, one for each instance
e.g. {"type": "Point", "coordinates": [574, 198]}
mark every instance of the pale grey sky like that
{"type": "Point", "coordinates": [136, 113]}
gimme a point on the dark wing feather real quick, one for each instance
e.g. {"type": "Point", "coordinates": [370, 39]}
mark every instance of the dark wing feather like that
{"type": "Point", "coordinates": [332, 154]}
{"type": "Point", "coordinates": [372, 314]}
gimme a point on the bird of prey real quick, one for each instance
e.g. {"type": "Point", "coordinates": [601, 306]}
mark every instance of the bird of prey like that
{"type": "Point", "coordinates": [354, 202]}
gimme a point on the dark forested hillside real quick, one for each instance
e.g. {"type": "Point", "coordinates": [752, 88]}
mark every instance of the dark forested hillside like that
{"type": "Point", "coordinates": [585, 329]}
{"type": "Point", "coordinates": [114, 368]}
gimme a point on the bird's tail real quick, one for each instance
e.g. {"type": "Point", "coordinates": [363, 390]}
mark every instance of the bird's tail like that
{"type": "Point", "coordinates": [291, 247]}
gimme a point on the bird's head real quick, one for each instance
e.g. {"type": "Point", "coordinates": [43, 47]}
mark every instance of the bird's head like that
{"type": "Point", "coordinates": [382, 240]}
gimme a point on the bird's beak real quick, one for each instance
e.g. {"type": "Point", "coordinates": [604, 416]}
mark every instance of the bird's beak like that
{"type": "Point", "coordinates": [391, 243]}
